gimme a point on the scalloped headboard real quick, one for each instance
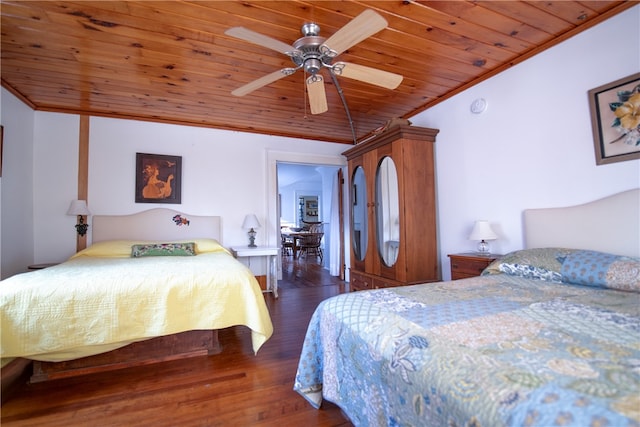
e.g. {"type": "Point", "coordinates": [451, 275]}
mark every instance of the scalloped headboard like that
{"type": "Point", "coordinates": [155, 224]}
{"type": "Point", "coordinates": [611, 224]}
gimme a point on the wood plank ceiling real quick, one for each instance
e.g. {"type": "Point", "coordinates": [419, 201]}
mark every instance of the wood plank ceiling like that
{"type": "Point", "coordinates": [170, 61]}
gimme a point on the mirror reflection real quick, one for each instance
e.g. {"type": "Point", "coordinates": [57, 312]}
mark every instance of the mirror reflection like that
{"type": "Point", "coordinates": [387, 211]}
{"type": "Point", "coordinates": [359, 213]}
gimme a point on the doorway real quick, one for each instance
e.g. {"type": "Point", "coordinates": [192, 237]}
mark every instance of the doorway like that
{"type": "Point", "coordinates": [305, 202]}
{"type": "Point", "coordinates": [275, 201]}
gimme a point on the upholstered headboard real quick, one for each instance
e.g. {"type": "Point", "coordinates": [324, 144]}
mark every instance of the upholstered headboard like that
{"type": "Point", "coordinates": [155, 224]}
{"type": "Point", "coordinates": [611, 224]}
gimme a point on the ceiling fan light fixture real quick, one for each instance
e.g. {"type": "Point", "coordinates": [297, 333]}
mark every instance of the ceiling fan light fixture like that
{"type": "Point", "coordinates": [312, 65]}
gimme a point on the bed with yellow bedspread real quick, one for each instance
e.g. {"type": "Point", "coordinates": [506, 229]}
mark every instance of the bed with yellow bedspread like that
{"type": "Point", "coordinates": [102, 298]}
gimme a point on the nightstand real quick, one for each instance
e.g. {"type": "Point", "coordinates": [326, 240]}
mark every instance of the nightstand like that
{"type": "Point", "coordinates": [470, 264]}
{"type": "Point", "coordinates": [271, 252]}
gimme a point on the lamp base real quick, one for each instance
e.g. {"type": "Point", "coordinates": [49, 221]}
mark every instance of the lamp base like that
{"type": "Point", "coordinates": [81, 227]}
{"type": "Point", "coordinates": [252, 239]}
{"type": "Point", "coordinates": [483, 248]}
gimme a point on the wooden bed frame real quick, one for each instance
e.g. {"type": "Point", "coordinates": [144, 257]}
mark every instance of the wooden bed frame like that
{"type": "Point", "coordinates": [158, 224]}
{"type": "Point", "coordinates": [160, 349]}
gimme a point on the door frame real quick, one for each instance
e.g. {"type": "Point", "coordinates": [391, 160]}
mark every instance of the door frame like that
{"type": "Point", "coordinates": [272, 227]}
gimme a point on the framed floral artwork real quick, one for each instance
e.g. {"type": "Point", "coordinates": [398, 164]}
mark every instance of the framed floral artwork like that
{"type": "Point", "coordinates": [158, 178]}
{"type": "Point", "coordinates": [615, 120]}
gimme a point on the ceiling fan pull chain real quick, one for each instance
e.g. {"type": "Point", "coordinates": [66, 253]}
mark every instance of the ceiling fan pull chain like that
{"type": "Point", "coordinates": [304, 92]}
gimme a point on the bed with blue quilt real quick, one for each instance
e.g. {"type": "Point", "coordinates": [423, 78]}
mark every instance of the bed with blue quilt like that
{"type": "Point", "coordinates": [545, 336]}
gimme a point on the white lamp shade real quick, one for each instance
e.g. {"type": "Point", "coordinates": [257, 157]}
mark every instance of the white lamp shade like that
{"type": "Point", "coordinates": [78, 207]}
{"type": "Point", "coordinates": [250, 221]}
{"type": "Point", "coordinates": [482, 231]}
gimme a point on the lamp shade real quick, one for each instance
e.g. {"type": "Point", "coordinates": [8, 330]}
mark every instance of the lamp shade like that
{"type": "Point", "coordinates": [78, 207]}
{"type": "Point", "coordinates": [482, 231]}
{"type": "Point", "coordinates": [250, 221]}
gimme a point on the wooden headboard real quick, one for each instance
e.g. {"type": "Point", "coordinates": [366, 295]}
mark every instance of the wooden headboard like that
{"type": "Point", "coordinates": [611, 224]}
{"type": "Point", "coordinates": [155, 224]}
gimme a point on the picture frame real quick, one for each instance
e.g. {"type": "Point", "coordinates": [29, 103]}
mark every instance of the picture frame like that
{"type": "Point", "coordinates": [158, 178]}
{"type": "Point", "coordinates": [616, 129]}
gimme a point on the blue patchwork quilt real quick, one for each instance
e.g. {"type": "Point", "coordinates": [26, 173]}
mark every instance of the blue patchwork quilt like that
{"type": "Point", "coordinates": [503, 349]}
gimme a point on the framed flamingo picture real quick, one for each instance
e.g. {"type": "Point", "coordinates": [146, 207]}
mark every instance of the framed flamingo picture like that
{"type": "Point", "coordinates": [158, 178]}
{"type": "Point", "coordinates": [615, 120]}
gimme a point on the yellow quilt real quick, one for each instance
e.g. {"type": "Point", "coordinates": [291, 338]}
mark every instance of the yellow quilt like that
{"type": "Point", "coordinates": [102, 299]}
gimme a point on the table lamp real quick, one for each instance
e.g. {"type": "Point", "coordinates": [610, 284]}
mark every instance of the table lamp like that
{"type": "Point", "coordinates": [251, 223]}
{"type": "Point", "coordinates": [79, 208]}
{"type": "Point", "coordinates": [482, 231]}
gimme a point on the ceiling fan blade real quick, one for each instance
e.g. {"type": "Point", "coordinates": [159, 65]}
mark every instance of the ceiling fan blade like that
{"type": "Point", "coordinates": [359, 28]}
{"type": "Point", "coordinates": [317, 94]}
{"type": "Point", "coordinates": [262, 81]}
{"type": "Point", "coordinates": [368, 75]}
{"type": "Point", "coordinates": [259, 39]}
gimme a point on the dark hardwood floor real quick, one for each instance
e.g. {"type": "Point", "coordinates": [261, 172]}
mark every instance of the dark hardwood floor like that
{"type": "Point", "coordinates": [234, 388]}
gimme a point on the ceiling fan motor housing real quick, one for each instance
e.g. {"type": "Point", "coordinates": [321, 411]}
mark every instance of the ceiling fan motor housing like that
{"type": "Point", "coordinates": [308, 47]}
{"type": "Point", "coordinates": [310, 29]}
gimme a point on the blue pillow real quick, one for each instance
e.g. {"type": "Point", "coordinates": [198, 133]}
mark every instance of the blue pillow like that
{"type": "Point", "coordinates": [599, 269]}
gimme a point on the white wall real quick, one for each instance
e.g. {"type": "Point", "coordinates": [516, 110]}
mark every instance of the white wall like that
{"type": "Point", "coordinates": [16, 204]}
{"type": "Point", "coordinates": [291, 199]}
{"type": "Point", "coordinates": [533, 146]}
{"type": "Point", "coordinates": [55, 185]}
{"type": "Point", "coordinates": [224, 173]}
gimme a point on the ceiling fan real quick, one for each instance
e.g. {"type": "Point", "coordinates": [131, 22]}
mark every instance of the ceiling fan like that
{"type": "Point", "coordinates": [313, 53]}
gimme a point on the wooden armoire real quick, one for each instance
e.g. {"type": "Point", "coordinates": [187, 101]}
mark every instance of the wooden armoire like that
{"type": "Point", "coordinates": [393, 209]}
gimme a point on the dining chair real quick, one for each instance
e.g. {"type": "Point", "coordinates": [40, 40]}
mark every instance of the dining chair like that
{"type": "Point", "coordinates": [310, 244]}
{"type": "Point", "coordinates": [287, 245]}
{"type": "Point", "coordinates": [316, 228]}
{"type": "Point", "coordinates": [310, 226]}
